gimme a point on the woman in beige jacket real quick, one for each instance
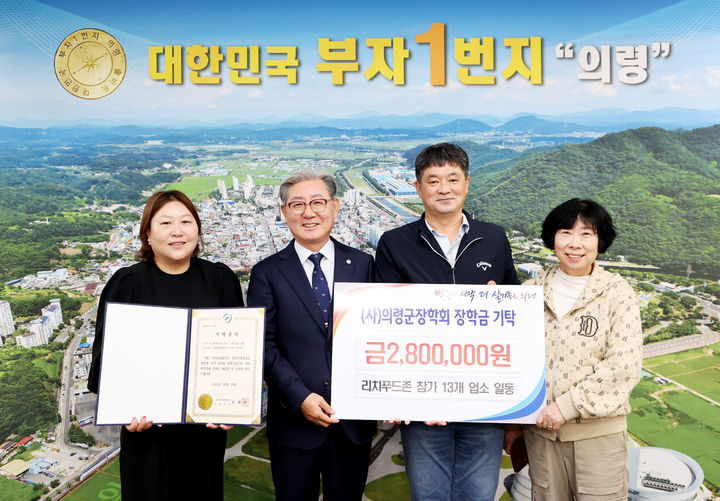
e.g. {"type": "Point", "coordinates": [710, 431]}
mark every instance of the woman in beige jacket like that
{"type": "Point", "coordinates": [593, 353]}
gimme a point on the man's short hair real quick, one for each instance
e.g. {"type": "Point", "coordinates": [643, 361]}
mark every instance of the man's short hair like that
{"type": "Point", "coordinates": [439, 155]}
{"type": "Point", "coordinates": [565, 215]}
{"type": "Point", "coordinates": [307, 174]}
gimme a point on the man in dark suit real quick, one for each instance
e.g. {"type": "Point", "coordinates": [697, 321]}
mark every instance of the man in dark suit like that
{"type": "Point", "coordinates": [294, 285]}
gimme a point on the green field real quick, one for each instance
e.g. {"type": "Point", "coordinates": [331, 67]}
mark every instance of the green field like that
{"type": "Point", "coordinates": [263, 172]}
{"type": "Point", "coordinates": [341, 151]}
{"type": "Point", "coordinates": [113, 468]}
{"type": "Point", "coordinates": [670, 369]}
{"type": "Point", "coordinates": [671, 417]}
{"type": "Point", "coordinates": [237, 434]}
{"type": "Point", "coordinates": [12, 490]}
{"type": "Point", "coordinates": [698, 369]}
{"type": "Point", "coordinates": [244, 493]}
{"type": "Point", "coordinates": [693, 409]}
{"type": "Point", "coordinates": [268, 165]}
{"type": "Point", "coordinates": [356, 179]}
{"type": "Point", "coordinates": [196, 187]}
{"type": "Point", "coordinates": [104, 485]}
{"type": "Point", "coordinates": [258, 446]}
{"type": "Point", "coordinates": [706, 382]}
{"type": "Point", "coordinates": [247, 479]}
{"type": "Point", "coordinates": [50, 364]}
{"type": "Point", "coordinates": [712, 350]}
{"type": "Point", "coordinates": [396, 145]}
{"type": "Point", "coordinates": [28, 455]}
{"type": "Point", "coordinates": [393, 487]}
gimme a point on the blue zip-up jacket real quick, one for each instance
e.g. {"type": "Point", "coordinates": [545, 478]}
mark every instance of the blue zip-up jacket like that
{"type": "Point", "coordinates": [410, 254]}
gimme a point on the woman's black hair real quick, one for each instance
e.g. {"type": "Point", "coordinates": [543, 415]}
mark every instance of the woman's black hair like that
{"type": "Point", "coordinates": [591, 213]}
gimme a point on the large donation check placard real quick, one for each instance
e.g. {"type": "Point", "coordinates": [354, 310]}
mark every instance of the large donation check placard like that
{"type": "Point", "coordinates": [438, 352]}
{"type": "Point", "coordinates": [180, 365]}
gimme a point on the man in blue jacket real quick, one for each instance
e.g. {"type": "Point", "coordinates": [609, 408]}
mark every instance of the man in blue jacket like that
{"type": "Point", "coordinates": [447, 461]}
{"type": "Point", "coordinates": [295, 287]}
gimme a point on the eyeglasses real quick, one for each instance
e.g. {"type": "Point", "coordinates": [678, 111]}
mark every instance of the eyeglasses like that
{"type": "Point", "coordinates": [317, 205]}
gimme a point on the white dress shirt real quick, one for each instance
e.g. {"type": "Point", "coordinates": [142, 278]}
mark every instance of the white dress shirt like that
{"type": "Point", "coordinates": [450, 249]}
{"type": "Point", "coordinates": [327, 264]}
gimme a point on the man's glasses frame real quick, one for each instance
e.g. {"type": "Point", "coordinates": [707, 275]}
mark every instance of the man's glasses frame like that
{"type": "Point", "coordinates": [317, 205]}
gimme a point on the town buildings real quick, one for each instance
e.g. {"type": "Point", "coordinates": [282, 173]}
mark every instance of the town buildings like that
{"type": "Point", "coordinates": [41, 328]}
{"type": "Point", "coordinates": [7, 326]}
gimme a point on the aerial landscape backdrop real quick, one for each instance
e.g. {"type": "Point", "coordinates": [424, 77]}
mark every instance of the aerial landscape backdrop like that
{"type": "Point", "coordinates": [618, 102]}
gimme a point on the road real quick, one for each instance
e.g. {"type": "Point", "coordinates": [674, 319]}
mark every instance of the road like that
{"type": "Point", "coordinates": [710, 308]}
{"type": "Point", "coordinates": [236, 450]}
{"type": "Point", "coordinates": [271, 243]}
{"type": "Point", "coordinates": [66, 401]}
{"type": "Point", "coordinates": [67, 388]}
{"type": "Point", "coordinates": [82, 405]}
{"type": "Point", "coordinates": [386, 435]}
{"type": "Point", "coordinates": [706, 337]}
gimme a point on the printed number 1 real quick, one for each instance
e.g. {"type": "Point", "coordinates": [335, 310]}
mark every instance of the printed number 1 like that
{"type": "Point", "coordinates": [435, 36]}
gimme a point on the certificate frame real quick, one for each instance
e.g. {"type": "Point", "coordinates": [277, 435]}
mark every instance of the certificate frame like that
{"type": "Point", "coordinates": [181, 365]}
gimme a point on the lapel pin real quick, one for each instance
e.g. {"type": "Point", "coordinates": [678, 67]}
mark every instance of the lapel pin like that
{"type": "Point", "coordinates": [348, 261]}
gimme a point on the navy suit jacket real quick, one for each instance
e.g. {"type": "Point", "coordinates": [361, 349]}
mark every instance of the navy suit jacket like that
{"type": "Point", "coordinates": [298, 346]}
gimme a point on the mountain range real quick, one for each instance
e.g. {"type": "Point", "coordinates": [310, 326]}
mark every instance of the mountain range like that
{"type": "Point", "coordinates": [661, 187]}
{"type": "Point", "coordinates": [603, 120]}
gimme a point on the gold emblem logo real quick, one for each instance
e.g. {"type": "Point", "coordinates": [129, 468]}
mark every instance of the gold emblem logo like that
{"type": "Point", "coordinates": [204, 401]}
{"type": "Point", "coordinates": [90, 63]}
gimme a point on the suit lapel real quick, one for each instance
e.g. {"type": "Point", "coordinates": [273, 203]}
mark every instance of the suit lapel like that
{"type": "Point", "coordinates": [294, 273]}
{"type": "Point", "coordinates": [343, 264]}
{"type": "Point", "coordinates": [343, 273]}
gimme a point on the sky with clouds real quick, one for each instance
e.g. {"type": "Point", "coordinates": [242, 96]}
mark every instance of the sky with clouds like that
{"type": "Point", "coordinates": [30, 32]}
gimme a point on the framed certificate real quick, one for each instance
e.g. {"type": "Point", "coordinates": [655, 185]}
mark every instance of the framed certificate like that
{"type": "Point", "coordinates": [438, 352]}
{"type": "Point", "coordinates": [179, 365]}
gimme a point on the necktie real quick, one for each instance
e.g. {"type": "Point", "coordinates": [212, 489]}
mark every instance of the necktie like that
{"type": "Point", "coordinates": [320, 287]}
